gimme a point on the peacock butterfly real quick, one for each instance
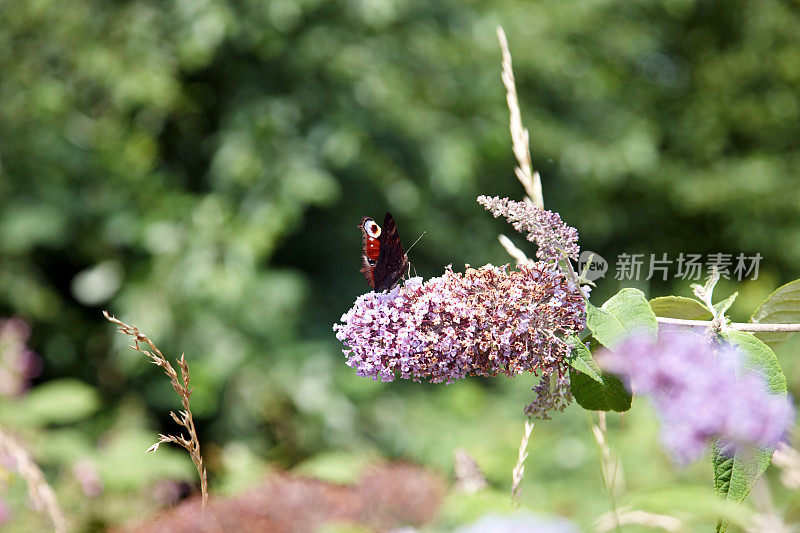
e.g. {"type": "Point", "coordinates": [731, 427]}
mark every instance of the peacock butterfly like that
{"type": "Point", "coordinates": [384, 263]}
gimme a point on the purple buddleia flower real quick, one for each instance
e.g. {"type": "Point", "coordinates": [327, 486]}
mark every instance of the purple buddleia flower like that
{"type": "Point", "coordinates": [483, 322]}
{"type": "Point", "coordinates": [554, 239]}
{"type": "Point", "coordinates": [700, 393]}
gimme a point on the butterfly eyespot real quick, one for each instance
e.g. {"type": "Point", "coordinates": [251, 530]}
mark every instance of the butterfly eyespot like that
{"type": "Point", "coordinates": [383, 261]}
{"type": "Point", "coordinates": [372, 229]}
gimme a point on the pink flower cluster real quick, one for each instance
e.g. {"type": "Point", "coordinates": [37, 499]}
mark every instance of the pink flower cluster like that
{"type": "Point", "coordinates": [699, 394]}
{"type": "Point", "coordinates": [483, 322]}
{"type": "Point", "coordinates": [554, 239]}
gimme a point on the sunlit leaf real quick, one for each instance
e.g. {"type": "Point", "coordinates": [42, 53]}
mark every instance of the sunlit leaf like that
{"type": "Point", "coordinates": [734, 476]}
{"type": "Point", "coordinates": [581, 359]}
{"type": "Point", "coordinates": [679, 307]}
{"type": "Point", "coordinates": [781, 307]}
{"type": "Point", "coordinates": [607, 394]}
{"type": "Point", "coordinates": [624, 313]}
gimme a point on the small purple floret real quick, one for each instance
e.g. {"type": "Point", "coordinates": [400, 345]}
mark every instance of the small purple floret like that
{"type": "Point", "coordinates": [554, 239]}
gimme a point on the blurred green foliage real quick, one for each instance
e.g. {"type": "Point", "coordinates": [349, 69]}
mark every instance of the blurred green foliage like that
{"type": "Point", "coordinates": [198, 167]}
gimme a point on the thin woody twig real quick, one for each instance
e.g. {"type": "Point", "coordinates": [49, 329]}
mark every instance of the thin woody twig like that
{"type": "Point", "coordinates": [738, 326]}
{"type": "Point", "coordinates": [181, 386]}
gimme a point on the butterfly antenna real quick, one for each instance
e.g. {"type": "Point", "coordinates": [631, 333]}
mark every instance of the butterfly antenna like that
{"type": "Point", "coordinates": [415, 242]}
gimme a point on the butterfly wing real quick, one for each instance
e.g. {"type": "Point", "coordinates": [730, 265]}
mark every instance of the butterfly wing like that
{"type": "Point", "coordinates": [370, 248]}
{"type": "Point", "coordinates": [392, 262]}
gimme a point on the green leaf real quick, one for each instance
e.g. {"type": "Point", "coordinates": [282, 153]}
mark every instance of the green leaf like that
{"type": "Point", "coordinates": [625, 312]}
{"type": "Point", "coordinates": [781, 307]}
{"type": "Point", "coordinates": [59, 402]}
{"type": "Point", "coordinates": [608, 394]}
{"type": "Point", "coordinates": [581, 359]}
{"type": "Point", "coordinates": [680, 307]}
{"type": "Point", "coordinates": [735, 476]}
{"type": "Point", "coordinates": [758, 357]}
{"type": "Point", "coordinates": [721, 307]}
{"type": "Point", "coordinates": [705, 292]}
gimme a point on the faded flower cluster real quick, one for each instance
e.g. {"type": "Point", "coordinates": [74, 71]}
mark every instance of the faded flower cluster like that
{"type": "Point", "coordinates": [554, 239]}
{"type": "Point", "coordinates": [483, 322]}
{"type": "Point", "coordinates": [700, 394]}
{"type": "Point", "coordinates": [18, 364]}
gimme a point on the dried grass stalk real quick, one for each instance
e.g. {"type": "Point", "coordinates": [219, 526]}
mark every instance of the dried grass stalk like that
{"type": "Point", "coordinates": [788, 460]}
{"type": "Point", "coordinates": [610, 469]}
{"type": "Point", "coordinates": [181, 386]}
{"type": "Point", "coordinates": [520, 138]}
{"type": "Point", "coordinates": [40, 492]}
{"type": "Point", "coordinates": [767, 519]}
{"type": "Point", "coordinates": [519, 469]}
{"type": "Point", "coordinates": [518, 255]}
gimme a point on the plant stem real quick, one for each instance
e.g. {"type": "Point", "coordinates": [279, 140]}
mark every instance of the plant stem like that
{"type": "Point", "coordinates": [739, 326]}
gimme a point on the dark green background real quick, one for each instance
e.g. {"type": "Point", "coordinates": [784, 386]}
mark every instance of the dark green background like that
{"type": "Point", "coordinates": [199, 168]}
